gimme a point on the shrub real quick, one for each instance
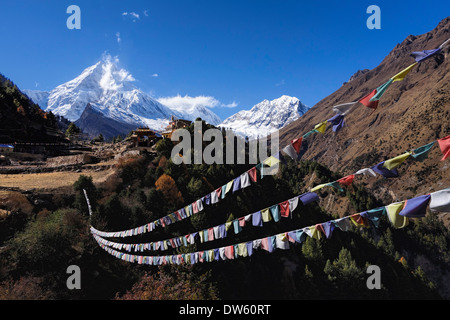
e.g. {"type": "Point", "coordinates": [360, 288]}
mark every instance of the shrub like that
{"type": "Point", "coordinates": [167, 286]}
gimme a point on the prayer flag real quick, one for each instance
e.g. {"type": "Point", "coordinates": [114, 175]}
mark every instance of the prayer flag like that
{"type": "Point", "coordinates": [422, 152]}
{"type": "Point", "coordinates": [242, 249]}
{"type": "Point", "coordinates": [252, 174]}
{"type": "Point", "coordinates": [208, 199]}
{"type": "Point", "coordinates": [344, 108]}
{"type": "Point", "coordinates": [282, 241]}
{"type": "Point", "coordinates": [440, 201]}
{"type": "Point", "coordinates": [245, 180]}
{"type": "Point", "coordinates": [290, 151]}
{"type": "Point", "coordinates": [416, 207]}
{"type": "Point", "coordinates": [218, 192]}
{"type": "Point", "coordinates": [210, 234]}
{"type": "Point", "coordinates": [337, 122]}
{"type": "Point", "coordinates": [366, 171]}
{"type": "Point", "coordinates": [395, 162]}
{"type": "Point", "coordinates": [249, 246]}
{"type": "Point", "coordinates": [402, 74]}
{"type": "Point", "coordinates": [328, 228]}
{"type": "Point", "coordinates": [214, 198]}
{"type": "Point", "coordinates": [275, 211]}
{"type": "Point", "coordinates": [293, 203]}
{"type": "Point", "coordinates": [395, 218]}
{"type": "Point", "coordinates": [366, 100]}
{"type": "Point", "coordinates": [343, 223]}
{"type": "Point", "coordinates": [335, 185]}
{"type": "Point", "coordinates": [229, 252]}
{"type": "Point", "coordinates": [321, 127]}
{"type": "Point", "coordinates": [346, 181]}
{"type": "Point", "coordinates": [297, 144]}
{"type": "Point", "coordinates": [265, 214]}
{"type": "Point", "coordinates": [444, 144]}
{"type": "Point", "coordinates": [194, 207]}
{"type": "Point", "coordinates": [306, 135]}
{"type": "Point", "coordinates": [284, 208]}
{"type": "Point", "coordinates": [257, 219]}
{"type": "Point", "coordinates": [359, 220]}
{"type": "Point", "coordinates": [236, 184]}
{"type": "Point", "coordinates": [380, 169]}
{"type": "Point", "coordinates": [224, 190]}
{"type": "Point", "coordinates": [420, 56]}
{"type": "Point", "coordinates": [309, 197]}
{"type": "Point", "coordinates": [374, 215]}
{"type": "Point", "coordinates": [381, 90]}
{"type": "Point", "coordinates": [270, 161]}
{"type": "Point", "coordinates": [237, 227]}
{"type": "Point", "coordinates": [314, 231]}
{"type": "Point", "coordinates": [320, 186]}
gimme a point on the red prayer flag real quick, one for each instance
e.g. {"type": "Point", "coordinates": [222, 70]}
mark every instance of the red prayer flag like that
{"type": "Point", "coordinates": [359, 220]}
{"type": "Point", "coordinates": [218, 192]}
{"type": "Point", "coordinates": [366, 100]}
{"type": "Point", "coordinates": [346, 181]}
{"type": "Point", "coordinates": [252, 174]}
{"type": "Point", "coordinates": [320, 228]}
{"type": "Point", "coordinates": [297, 144]}
{"type": "Point", "coordinates": [284, 208]}
{"type": "Point", "coordinates": [444, 144]}
{"type": "Point", "coordinates": [229, 252]}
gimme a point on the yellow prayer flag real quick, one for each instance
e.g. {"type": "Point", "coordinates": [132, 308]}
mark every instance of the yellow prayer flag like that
{"type": "Point", "coordinates": [395, 218]}
{"type": "Point", "coordinates": [270, 161]}
{"type": "Point", "coordinates": [211, 255]}
{"type": "Point", "coordinates": [229, 186]}
{"type": "Point", "coordinates": [321, 126]}
{"type": "Point", "coordinates": [402, 74]}
{"type": "Point", "coordinates": [320, 186]}
{"type": "Point", "coordinates": [316, 234]}
{"type": "Point", "coordinates": [228, 225]}
{"type": "Point", "coordinates": [265, 214]}
{"type": "Point", "coordinates": [242, 249]}
{"type": "Point", "coordinates": [395, 162]}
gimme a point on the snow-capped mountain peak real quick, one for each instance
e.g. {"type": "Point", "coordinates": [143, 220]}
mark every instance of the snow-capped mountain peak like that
{"type": "Point", "coordinates": [266, 117]}
{"type": "Point", "coordinates": [110, 92]}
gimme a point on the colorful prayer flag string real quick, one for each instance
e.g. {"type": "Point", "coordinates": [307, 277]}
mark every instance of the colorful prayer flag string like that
{"type": "Point", "coordinates": [397, 213]}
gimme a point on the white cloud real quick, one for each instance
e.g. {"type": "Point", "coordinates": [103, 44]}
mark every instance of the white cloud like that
{"type": "Point", "coordinates": [146, 13]}
{"type": "Point", "coordinates": [230, 105]}
{"type": "Point", "coordinates": [179, 102]}
{"type": "Point", "coordinates": [119, 39]}
{"type": "Point", "coordinates": [155, 75]}
{"type": "Point", "coordinates": [133, 15]}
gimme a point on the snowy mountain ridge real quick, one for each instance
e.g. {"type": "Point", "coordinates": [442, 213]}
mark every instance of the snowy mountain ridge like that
{"type": "Point", "coordinates": [265, 117]}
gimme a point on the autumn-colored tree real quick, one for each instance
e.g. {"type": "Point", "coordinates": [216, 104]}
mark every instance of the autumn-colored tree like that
{"type": "Point", "coordinates": [168, 187]}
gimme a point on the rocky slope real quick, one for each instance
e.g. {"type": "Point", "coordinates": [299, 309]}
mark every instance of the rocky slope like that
{"type": "Point", "coordinates": [411, 113]}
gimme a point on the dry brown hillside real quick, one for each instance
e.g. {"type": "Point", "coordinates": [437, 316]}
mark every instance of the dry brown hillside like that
{"type": "Point", "coordinates": [411, 113]}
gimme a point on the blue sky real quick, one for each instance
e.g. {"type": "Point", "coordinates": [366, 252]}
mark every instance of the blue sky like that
{"type": "Point", "coordinates": [237, 53]}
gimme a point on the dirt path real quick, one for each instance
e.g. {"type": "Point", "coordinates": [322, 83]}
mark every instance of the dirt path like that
{"type": "Point", "coordinates": [49, 180]}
